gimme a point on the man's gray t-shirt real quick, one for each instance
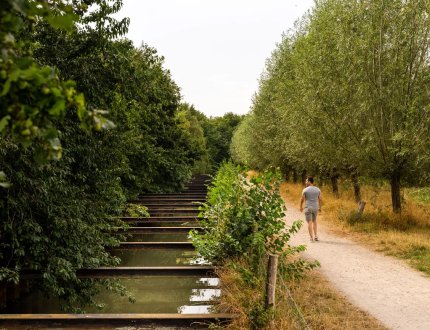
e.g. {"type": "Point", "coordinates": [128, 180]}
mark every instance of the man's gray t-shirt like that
{"type": "Point", "coordinates": [311, 195]}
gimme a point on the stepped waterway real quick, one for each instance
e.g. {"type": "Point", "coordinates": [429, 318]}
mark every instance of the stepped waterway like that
{"type": "Point", "coordinates": [171, 284]}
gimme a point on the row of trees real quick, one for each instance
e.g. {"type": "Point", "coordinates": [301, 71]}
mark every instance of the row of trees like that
{"type": "Point", "coordinates": [211, 135]}
{"type": "Point", "coordinates": [87, 121]}
{"type": "Point", "coordinates": [346, 93]}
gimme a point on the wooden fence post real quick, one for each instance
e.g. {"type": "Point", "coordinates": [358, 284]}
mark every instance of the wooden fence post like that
{"type": "Point", "coordinates": [272, 269]}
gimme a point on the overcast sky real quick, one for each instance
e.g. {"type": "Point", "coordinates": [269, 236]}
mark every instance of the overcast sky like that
{"type": "Point", "coordinates": [214, 49]}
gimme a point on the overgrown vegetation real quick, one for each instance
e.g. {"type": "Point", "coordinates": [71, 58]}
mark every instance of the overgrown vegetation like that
{"type": "Point", "coordinates": [87, 121]}
{"type": "Point", "coordinates": [243, 222]}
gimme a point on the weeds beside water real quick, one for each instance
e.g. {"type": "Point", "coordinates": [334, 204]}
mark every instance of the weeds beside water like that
{"type": "Point", "coordinates": [243, 222]}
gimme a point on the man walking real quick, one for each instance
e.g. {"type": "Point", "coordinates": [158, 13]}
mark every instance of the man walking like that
{"type": "Point", "coordinates": [312, 196]}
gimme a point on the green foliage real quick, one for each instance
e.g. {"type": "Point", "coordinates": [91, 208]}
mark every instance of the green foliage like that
{"type": "Point", "coordinates": [244, 217]}
{"type": "Point", "coordinates": [190, 121]}
{"type": "Point", "coordinates": [344, 92]}
{"type": "Point", "coordinates": [419, 257]}
{"type": "Point", "coordinates": [421, 195]}
{"type": "Point", "coordinates": [62, 74]}
{"type": "Point", "coordinates": [218, 132]}
{"type": "Point", "coordinates": [137, 210]}
{"type": "Point", "coordinates": [33, 97]}
{"type": "Point", "coordinates": [243, 222]}
{"type": "Point", "coordinates": [259, 316]}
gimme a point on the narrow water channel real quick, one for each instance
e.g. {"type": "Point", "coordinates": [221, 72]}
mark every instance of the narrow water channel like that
{"type": "Point", "coordinates": [184, 294]}
{"type": "Point", "coordinates": [152, 294]}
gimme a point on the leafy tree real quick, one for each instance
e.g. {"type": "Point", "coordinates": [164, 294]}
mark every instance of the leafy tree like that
{"type": "Point", "coordinates": [218, 132]}
{"type": "Point", "coordinates": [348, 91]}
{"type": "Point", "coordinates": [190, 121]}
{"type": "Point", "coordinates": [32, 96]}
{"type": "Point", "coordinates": [84, 191]}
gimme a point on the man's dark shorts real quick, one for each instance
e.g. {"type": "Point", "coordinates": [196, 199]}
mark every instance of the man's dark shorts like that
{"type": "Point", "coordinates": [310, 214]}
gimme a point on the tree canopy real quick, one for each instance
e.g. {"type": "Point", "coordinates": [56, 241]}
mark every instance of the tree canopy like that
{"type": "Point", "coordinates": [345, 91]}
{"type": "Point", "coordinates": [87, 121]}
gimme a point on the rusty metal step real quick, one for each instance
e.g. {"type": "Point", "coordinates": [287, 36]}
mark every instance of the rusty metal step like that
{"type": "Point", "coordinates": [159, 212]}
{"type": "Point", "coordinates": [180, 195]}
{"type": "Point", "coordinates": [113, 321]}
{"type": "Point", "coordinates": [167, 201]}
{"type": "Point", "coordinates": [156, 245]}
{"type": "Point", "coordinates": [161, 218]}
{"type": "Point", "coordinates": [174, 210]}
{"type": "Point", "coordinates": [157, 230]}
{"type": "Point", "coordinates": [169, 204]}
{"type": "Point", "coordinates": [166, 223]}
{"type": "Point", "coordinates": [173, 207]}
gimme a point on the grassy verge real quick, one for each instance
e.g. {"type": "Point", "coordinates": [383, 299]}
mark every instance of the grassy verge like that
{"type": "Point", "coordinates": [405, 236]}
{"type": "Point", "coordinates": [301, 304]}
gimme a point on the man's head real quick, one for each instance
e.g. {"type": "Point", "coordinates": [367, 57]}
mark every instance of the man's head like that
{"type": "Point", "coordinates": [309, 181]}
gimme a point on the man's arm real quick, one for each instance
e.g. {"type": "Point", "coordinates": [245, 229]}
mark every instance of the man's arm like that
{"type": "Point", "coordinates": [320, 202]}
{"type": "Point", "coordinates": [301, 203]}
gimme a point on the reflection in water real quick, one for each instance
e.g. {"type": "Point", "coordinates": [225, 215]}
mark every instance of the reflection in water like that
{"type": "Point", "coordinates": [152, 294]}
{"type": "Point", "coordinates": [205, 294]}
{"type": "Point", "coordinates": [202, 309]}
{"type": "Point", "coordinates": [209, 281]}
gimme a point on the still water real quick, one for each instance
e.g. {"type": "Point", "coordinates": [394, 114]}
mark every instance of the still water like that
{"type": "Point", "coordinates": [152, 294]}
{"type": "Point", "coordinates": [158, 257]}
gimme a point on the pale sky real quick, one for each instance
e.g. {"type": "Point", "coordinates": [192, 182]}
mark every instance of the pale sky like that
{"type": "Point", "coordinates": [214, 49]}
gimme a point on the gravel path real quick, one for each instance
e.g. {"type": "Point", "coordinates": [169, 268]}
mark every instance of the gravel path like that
{"type": "Point", "coordinates": [384, 287]}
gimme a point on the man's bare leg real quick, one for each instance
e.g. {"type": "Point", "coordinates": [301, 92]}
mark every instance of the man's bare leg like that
{"type": "Point", "coordinates": [311, 229]}
{"type": "Point", "coordinates": [315, 228]}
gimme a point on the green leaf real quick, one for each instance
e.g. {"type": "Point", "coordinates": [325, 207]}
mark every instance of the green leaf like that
{"type": "Point", "coordinates": [3, 180]}
{"type": "Point", "coordinates": [4, 122]}
{"type": "Point", "coordinates": [58, 108]}
{"type": "Point", "coordinates": [63, 22]}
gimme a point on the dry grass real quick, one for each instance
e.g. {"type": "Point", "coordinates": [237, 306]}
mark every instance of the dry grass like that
{"type": "Point", "coordinates": [406, 236]}
{"type": "Point", "coordinates": [326, 308]}
{"type": "Point", "coordinates": [321, 306]}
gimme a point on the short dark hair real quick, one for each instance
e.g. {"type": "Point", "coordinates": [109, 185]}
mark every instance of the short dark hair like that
{"type": "Point", "coordinates": [311, 179]}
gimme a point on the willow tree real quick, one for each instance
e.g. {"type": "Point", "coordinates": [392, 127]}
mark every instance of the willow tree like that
{"type": "Point", "coordinates": [349, 91]}
{"type": "Point", "coordinates": [382, 55]}
{"type": "Point", "coordinates": [324, 99]}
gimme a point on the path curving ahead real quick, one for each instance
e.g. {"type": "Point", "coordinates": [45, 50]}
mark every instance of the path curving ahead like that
{"type": "Point", "coordinates": [385, 287]}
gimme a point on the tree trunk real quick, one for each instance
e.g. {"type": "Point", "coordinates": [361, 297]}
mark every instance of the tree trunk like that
{"type": "Point", "coordinates": [303, 177]}
{"type": "Point", "coordinates": [356, 185]}
{"type": "Point", "coordinates": [335, 185]}
{"type": "Point", "coordinates": [285, 170]}
{"type": "Point", "coordinates": [395, 193]}
{"type": "Point", "coordinates": [295, 177]}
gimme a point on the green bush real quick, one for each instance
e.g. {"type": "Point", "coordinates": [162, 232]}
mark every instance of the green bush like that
{"type": "Point", "coordinates": [244, 217]}
{"type": "Point", "coordinates": [243, 222]}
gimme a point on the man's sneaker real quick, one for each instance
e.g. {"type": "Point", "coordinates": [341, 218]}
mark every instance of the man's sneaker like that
{"type": "Point", "coordinates": [311, 239]}
{"type": "Point", "coordinates": [316, 239]}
